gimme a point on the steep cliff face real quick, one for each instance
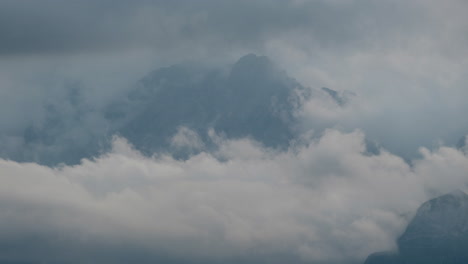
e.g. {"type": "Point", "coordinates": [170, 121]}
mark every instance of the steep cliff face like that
{"type": "Point", "coordinates": [437, 234]}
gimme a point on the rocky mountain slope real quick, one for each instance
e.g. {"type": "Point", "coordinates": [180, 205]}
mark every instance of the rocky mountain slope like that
{"type": "Point", "coordinates": [251, 98]}
{"type": "Point", "coordinates": [437, 234]}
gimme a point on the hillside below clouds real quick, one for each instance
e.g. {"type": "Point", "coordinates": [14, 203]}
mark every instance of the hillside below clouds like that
{"type": "Point", "coordinates": [437, 234]}
{"type": "Point", "coordinates": [179, 109]}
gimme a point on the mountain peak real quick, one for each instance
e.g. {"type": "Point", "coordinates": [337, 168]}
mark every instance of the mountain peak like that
{"type": "Point", "coordinates": [341, 98]}
{"type": "Point", "coordinates": [251, 58]}
{"type": "Point", "coordinates": [252, 66]}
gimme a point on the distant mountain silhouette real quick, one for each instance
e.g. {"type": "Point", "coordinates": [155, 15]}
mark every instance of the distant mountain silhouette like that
{"type": "Point", "coordinates": [253, 99]}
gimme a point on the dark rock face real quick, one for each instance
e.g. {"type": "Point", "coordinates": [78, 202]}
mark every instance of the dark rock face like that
{"type": "Point", "coordinates": [341, 98]}
{"type": "Point", "coordinates": [437, 234]}
{"type": "Point", "coordinates": [252, 99]}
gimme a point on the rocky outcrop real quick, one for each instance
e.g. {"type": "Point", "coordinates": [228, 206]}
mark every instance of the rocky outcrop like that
{"type": "Point", "coordinates": [437, 234]}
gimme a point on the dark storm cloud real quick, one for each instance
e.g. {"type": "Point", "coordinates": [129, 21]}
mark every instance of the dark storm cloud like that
{"type": "Point", "coordinates": [52, 26]}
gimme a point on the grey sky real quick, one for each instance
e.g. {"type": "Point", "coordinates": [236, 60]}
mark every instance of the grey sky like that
{"type": "Point", "coordinates": [51, 26]}
{"type": "Point", "coordinates": [405, 59]}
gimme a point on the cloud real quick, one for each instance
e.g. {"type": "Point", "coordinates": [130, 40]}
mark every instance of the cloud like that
{"type": "Point", "coordinates": [324, 202]}
{"type": "Point", "coordinates": [186, 138]}
{"type": "Point", "coordinates": [325, 198]}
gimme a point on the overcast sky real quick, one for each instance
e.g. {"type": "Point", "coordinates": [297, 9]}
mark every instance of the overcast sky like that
{"type": "Point", "coordinates": [323, 200]}
{"type": "Point", "coordinates": [406, 60]}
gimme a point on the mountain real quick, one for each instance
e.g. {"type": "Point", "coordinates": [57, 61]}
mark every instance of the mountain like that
{"type": "Point", "coordinates": [437, 234]}
{"type": "Point", "coordinates": [253, 98]}
{"type": "Point", "coordinates": [172, 110]}
{"type": "Point", "coordinates": [341, 98]}
{"type": "Point", "coordinates": [250, 98]}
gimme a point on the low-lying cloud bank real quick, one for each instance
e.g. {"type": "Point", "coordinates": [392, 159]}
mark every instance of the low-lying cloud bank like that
{"type": "Point", "coordinates": [325, 200]}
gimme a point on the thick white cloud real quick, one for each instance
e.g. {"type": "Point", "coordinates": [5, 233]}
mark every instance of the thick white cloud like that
{"type": "Point", "coordinates": [326, 201]}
